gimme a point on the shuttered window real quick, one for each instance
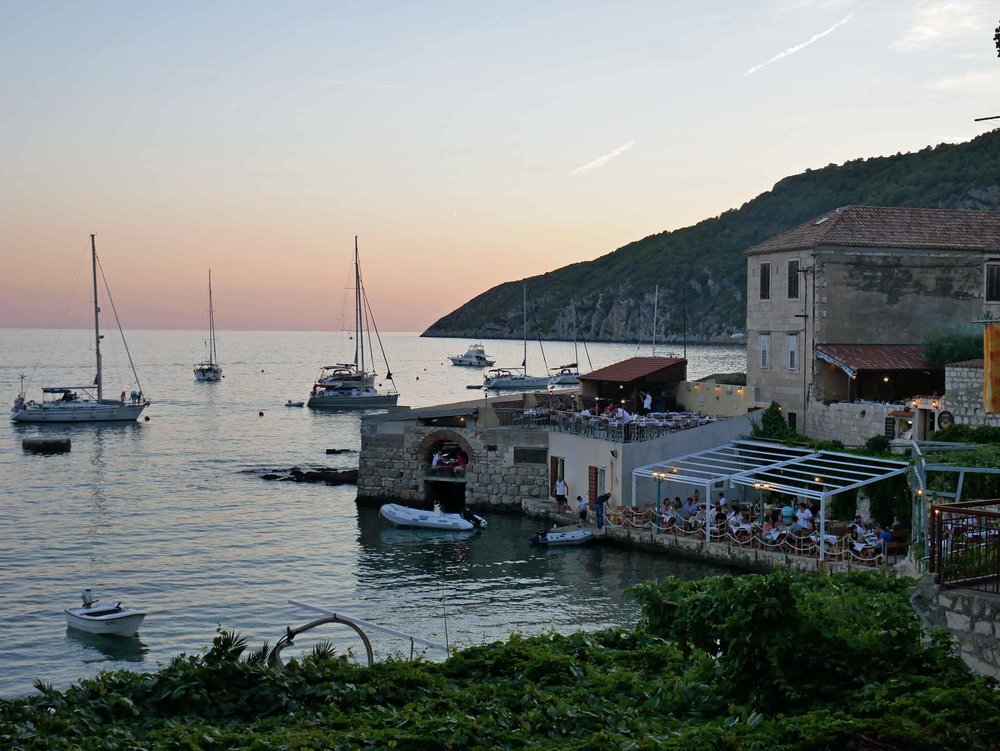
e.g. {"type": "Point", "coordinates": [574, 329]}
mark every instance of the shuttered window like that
{"type": "Point", "coordinates": [793, 280]}
{"type": "Point", "coordinates": [993, 282]}
{"type": "Point", "coordinates": [765, 351]}
{"type": "Point", "coordinates": [765, 281]}
{"type": "Point", "coordinates": [592, 483]}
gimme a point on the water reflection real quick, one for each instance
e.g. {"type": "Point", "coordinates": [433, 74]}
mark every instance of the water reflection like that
{"type": "Point", "coordinates": [104, 648]}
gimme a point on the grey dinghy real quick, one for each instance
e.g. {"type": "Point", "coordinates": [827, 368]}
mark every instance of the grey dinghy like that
{"type": "Point", "coordinates": [575, 537]}
{"type": "Point", "coordinates": [98, 618]}
{"type": "Point", "coordinates": [405, 516]}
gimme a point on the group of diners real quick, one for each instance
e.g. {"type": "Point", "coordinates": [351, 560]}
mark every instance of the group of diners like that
{"type": "Point", "coordinates": [793, 524]}
{"type": "Point", "coordinates": [448, 463]}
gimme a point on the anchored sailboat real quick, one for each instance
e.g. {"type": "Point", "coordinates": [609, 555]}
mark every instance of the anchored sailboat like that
{"type": "Point", "coordinates": [351, 385]}
{"type": "Point", "coordinates": [209, 371]}
{"type": "Point", "coordinates": [516, 379]}
{"type": "Point", "coordinates": [65, 403]}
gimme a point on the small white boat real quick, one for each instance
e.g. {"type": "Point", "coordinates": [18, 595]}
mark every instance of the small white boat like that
{"type": "Point", "coordinates": [573, 537]}
{"type": "Point", "coordinates": [291, 403]}
{"type": "Point", "coordinates": [99, 618]}
{"type": "Point", "coordinates": [405, 516]}
{"type": "Point", "coordinates": [565, 375]}
{"type": "Point", "coordinates": [513, 379]}
{"type": "Point", "coordinates": [475, 357]}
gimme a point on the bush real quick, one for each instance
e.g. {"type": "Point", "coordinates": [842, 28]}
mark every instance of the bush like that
{"type": "Point", "coordinates": [878, 444]}
{"type": "Point", "coordinates": [772, 424]}
{"type": "Point", "coordinates": [943, 347]}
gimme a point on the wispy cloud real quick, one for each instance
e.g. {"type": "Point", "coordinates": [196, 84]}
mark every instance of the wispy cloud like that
{"type": "Point", "coordinates": [972, 82]}
{"type": "Point", "coordinates": [231, 74]}
{"type": "Point", "coordinates": [943, 21]}
{"type": "Point", "coordinates": [602, 160]}
{"type": "Point", "coordinates": [799, 47]}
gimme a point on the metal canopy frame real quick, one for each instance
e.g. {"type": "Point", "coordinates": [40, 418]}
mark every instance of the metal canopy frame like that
{"type": "Point", "coordinates": [816, 475]}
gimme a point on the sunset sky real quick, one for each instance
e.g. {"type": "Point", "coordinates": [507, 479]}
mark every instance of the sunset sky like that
{"type": "Point", "coordinates": [465, 144]}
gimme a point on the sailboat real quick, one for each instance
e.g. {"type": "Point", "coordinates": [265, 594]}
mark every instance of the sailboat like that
{"type": "Point", "coordinates": [209, 371]}
{"type": "Point", "coordinates": [352, 385]}
{"type": "Point", "coordinates": [83, 403]}
{"type": "Point", "coordinates": [569, 374]}
{"type": "Point", "coordinates": [516, 379]}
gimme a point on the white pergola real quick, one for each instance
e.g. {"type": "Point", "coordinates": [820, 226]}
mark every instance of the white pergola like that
{"type": "Point", "coordinates": [763, 465]}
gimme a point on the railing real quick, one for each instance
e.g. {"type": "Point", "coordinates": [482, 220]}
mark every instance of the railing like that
{"type": "Point", "coordinates": [445, 471]}
{"type": "Point", "coordinates": [608, 429]}
{"type": "Point", "coordinates": [867, 552]}
{"type": "Point", "coordinates": [965, 544]}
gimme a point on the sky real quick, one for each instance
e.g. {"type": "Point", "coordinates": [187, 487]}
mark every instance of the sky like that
{"type": "Point", "coordinates": [466, 144]}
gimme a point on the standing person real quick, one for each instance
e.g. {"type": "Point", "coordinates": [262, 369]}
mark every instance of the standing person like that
{"type": "Point", "coordinates": [436, 459]}
{"type": "Point", "coordinates": [803, 519]}
{"type": "Point", "coordinates": [647, 402]}
{"type": "Point", "coordinates": [583, 509]}
{"type": "Point", "coordinates": [562, 497]}
{"type": "Point", "coordinates": [599, 502]}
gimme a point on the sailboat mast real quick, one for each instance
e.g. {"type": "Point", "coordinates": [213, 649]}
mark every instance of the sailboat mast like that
{"type": "Point", "coordinates": [656, 298]}
{"type": "Point", "coordinates": [97, 318]}
{"type": "Point", "coordinates": [576, 353]}
{"type": "Point", "coordinates": [359, 342]}
{"type": "Point", "coordinates": [524, 362]}
{"type": "Point", "coordinates": [211, 321]}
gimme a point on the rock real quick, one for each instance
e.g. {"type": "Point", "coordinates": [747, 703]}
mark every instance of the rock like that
{"type": "Point", "coordinates": [341, 451]}
{"type": "Point", "coordinates": [327, 475]}
{"type": "Point", "coordinates": [269, 476]}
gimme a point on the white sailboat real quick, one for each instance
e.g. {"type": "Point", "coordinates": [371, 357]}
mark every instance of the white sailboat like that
{"type": "Point", "coordinates": [83, 403]}
{"type": "Point", "coordinates": [209, 371]}
{"type": "Point", "coordinates": [516, 379]}
{"type": "Point", "coordinates": [352, 385]}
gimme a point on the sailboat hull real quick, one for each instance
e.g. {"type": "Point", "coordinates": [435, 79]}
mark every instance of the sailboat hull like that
{"type": "Point", "coordinates": [80, 411]}
{"type": "Point", "coordinates": [208, 375]}
{"type": "Point", "coordinates": [346, 401]}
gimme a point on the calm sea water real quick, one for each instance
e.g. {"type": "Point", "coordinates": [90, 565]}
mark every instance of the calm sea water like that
{"type": "Point", "coordinates": [164, 514]}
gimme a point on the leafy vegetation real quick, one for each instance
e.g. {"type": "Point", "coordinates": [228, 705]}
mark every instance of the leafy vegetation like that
{"type": "Point", "coordinates": [702, 267]}
{"type": "Point", "coordinates": [753, 662]}
{"type": "Point", "coordinates": [943, 347]}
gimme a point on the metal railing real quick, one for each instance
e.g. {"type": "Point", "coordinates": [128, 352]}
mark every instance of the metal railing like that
{"type": "Point", "coordinates": [965, 544]}
{"type": "Point", "coordinates": [640, 429]}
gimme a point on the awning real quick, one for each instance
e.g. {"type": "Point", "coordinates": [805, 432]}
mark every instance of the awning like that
{"type": "Point", "coordinates": [856, 358]}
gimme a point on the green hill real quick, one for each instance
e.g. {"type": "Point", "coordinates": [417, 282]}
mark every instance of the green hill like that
{"type": "Point", "coordinates": [704, 264]}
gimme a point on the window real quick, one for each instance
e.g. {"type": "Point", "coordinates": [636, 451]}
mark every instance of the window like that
{"type": "Point", "coordinates": [792, 421]}
{"type": "Point", "coordinates": [765, 351]}
{"type": "Point", "coordinates": [793, 280]}
{"type": "Point", "coordinates": [765, 281]}
{"type": "Point", "coordinates": [993, 282]}
{"type": "Point", "coordinates": [793, 351]}
{"type": "Point", "coordinates": [530, 456]}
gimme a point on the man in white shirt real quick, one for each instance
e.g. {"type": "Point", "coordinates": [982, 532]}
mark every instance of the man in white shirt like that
{"type": "Point", "coordinates": [722, 500]}
{"type": "Point", "coordinates": [436, 460]}
{"type": "Point", "coordinates": [647, 403]}
{"type": "Point", "coordinates": [562, 491]}
{"type": "Point", "coordinates": [803, 519]}
{"type": "Point", "coordinates": [624, 416]}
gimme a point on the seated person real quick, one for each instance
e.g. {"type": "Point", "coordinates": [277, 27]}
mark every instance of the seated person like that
{"type": "Point", "coordinates": [735, 519]}
{"type": "Point", "coordinates": [788, 514]}
{"type": "Point", "coordinates": [668, 516]}
{"type": "Point", "coordinates": [858, 530]}
{"type": "Point", "coordinates": [898, 525]}
{"type": "Point", "coordinates": [803, 519]}
{"type": "Point", "coordinates": [690, 509]}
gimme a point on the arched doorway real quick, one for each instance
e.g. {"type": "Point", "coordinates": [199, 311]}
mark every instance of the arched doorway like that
{"type": "Point", "coordinates": [446, 457]}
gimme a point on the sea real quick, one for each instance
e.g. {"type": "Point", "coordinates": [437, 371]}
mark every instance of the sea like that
{"type": "Point", "coordinates": [168, 514]}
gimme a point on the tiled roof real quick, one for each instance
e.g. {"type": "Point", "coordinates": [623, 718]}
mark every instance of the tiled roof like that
{"type": "Point", "coordinates": [854, 358]}
{"type": "Point", "coordinates": [631, 369]}
{"type": "Point", "coordinates": [892, 227]}
{"type": "Point", "coordinates": [967, 364]}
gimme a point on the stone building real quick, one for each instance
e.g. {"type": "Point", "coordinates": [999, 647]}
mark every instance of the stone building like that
{"type": "Point", "coordinates": [838, 307]}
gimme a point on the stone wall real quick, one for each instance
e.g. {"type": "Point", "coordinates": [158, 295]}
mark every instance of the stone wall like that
{"type": "Point", "coordinates": [393, 465]}
{"type": "Point", "coordinates": [964, 395]}
{"type": "Point", "coordinates": [851, 423]}
{"type": "Point", "coordinates": [973, 618]}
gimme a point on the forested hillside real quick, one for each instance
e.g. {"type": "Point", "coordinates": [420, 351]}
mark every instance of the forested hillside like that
{"type": "Point", "coordinates": [704, 264]}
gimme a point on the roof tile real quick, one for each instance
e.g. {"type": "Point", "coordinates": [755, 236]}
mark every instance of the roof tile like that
{"type": "Point", "coordinates": [631, 369]}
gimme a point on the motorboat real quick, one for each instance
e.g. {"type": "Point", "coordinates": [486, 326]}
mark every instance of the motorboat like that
{"type": "Point", "coordinates": [209, 371]}
{"type": "Point", "coordinates": [572, 537]}
{"type": "Point", "coordinates": [291, 403]}
{"type": "Point", "coordinates": [475, 357]}
{"type": "Point", "coordinates": [83, 403]}
{"type": "Point", "coordinates": [406, 516]}
{"type": "Point", "coordinates": [96, 617]}
{"type": "Point", "coordinates": [513, 379]}
{"type": "Point", "coordinates": [565, 375]}
{"type": "Point", "coordinates": [351, 385]}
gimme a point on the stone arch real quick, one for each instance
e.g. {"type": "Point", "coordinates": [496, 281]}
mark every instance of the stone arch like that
{"type": "Point", "coordinates": [431, 440]}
